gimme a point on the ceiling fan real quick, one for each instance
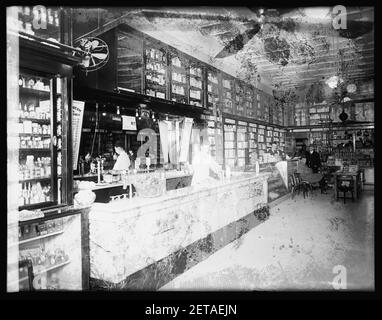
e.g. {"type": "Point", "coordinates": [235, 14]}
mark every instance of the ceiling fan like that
{"type": "Point", "coordinates": [94, 53]}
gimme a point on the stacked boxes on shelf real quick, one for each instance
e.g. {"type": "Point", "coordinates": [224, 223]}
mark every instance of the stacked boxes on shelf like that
{"type": "Point", "coordinates": [178, 81]}
{"type": "Point", "coordinates": [252, 140]}
{"type": "Point", "coordinates": [230, 142]}
{"type": "Point", "coordinates": [228, 94]}
{"type": "Point", "coordinates": [261, 141]}
{"type": "Point", "coordinates": [318, 114]}
{"type": "Point", "coordinates": [155, 72]}
{"type": "Point", "coordinates": [196, 86]}
{"type": "Point", "coordinates": [242, 143]}
{"type": "Point", "coordinates": [212, 89]}
{"type": "Point", "coordinates": [300, 114]}
{"type": "Point", "coordinates": [269, 137]}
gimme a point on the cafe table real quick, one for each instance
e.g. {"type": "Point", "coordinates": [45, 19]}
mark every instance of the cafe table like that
{"type": "Point", "coordinates": [355, 175]}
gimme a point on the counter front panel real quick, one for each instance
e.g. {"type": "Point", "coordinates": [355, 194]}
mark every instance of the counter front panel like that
{"type": "Point", "coordinates": [142, 243]}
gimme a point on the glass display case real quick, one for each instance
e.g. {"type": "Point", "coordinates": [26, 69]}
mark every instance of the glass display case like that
{"type": "Point", "coordinates": [211, 131]}
{"type": "Point", "coordinates": [196, 85]}
{"type": "Point", "coordinates": [269, 137]}
{"type": "Point", "coordinates": [228, 94]}
{"type": "Point", "coordinates": [212, 89]}
{"type": "Point", "coordinates": [252, 141]}
{"type": "Point", "coordinates": [40, 168]}
{"type": "Point", "coordinates": [242, 144]}
{"type": "Point", "coordinates": [40, 141]}
{"type": "Point", "coordinates": [261, 141]}
{"type": "Point", "coordinates": [51, 251]}
{"type": "Point", "coordinates": [179, 79]}
{"type": "Point", "coordinates": [155, 71]}
{"type": "Point", "coordinates": [230, 143]}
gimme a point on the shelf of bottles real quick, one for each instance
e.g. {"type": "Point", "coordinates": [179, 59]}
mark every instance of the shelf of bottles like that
{"type": "Point", "coordinates": [211, 131]}
{"type": "Point", "coordinates": [230, 143]}
{"type": "Point", "coordinates": [196, 86]}
{"type": "Point", "coordinates": [261, 146]}
{"type": "Point", "coordinates": [228, 94]}
{"type": "Point", "coordinates": [282, 142]}
{"type": "Point", "coordinates": [317, 138]}
{"type": "Point", "coordinates": [54, 254]}
{"type": "Point", "coordinates": [319, 113]}
{"type": "Point", "coordinates": [269, 137]}
{"type": "Point", "coordinates": [48, 19]}
{"type": "Point", "coordinates": [212, 89]}
{"type": "Point", "coordinates": [239, 99]}
{"type": "Point", "coordinates": [179, 80]}
{"type": "Point", "coordinates": [276, 136]}
{"type": "Point", "coordinates": [155, 72]}
{"type": "Point", "coordinates": [35, 132]}
{"type": "Point", "coordinates": [242, 143]}
{"type": "Point", "coordinates": [252, 143]}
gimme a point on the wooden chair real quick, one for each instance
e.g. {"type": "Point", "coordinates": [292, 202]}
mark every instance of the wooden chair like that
{"type": "Point", "coordinates": [294, 186]}
{"type": "Point", "coordinates": [305, 186]}
{"type": "Point", "coordinates": [345, 185]}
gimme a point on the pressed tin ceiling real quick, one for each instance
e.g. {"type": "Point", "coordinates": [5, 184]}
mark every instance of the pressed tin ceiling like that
{"type": "Point", "coordinates": [288, 48]}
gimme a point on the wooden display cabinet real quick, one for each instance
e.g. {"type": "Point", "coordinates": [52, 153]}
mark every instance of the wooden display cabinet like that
{"type": "Point", "coordinates": [50, 238]}
{"type": "Point", "coordinates": [228, 93]}
{"type": "Point", "coordinates": [213, 89]}
{"type": "Point", "coordinates": [196, 84]}
{"type": "Point", "coordinates": [155, 70]}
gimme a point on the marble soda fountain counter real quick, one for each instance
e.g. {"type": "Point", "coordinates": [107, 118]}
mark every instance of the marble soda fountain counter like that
{"type": "Point", "coordinates": [106, 190]}
{"type": "Point", "coordinates": [132, 241]}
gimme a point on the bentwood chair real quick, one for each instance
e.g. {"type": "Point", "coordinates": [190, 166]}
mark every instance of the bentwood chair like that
{"type": "Point", "coordinates": [294, 186]}
{"type": "Point", "coordinates": [305, 186]}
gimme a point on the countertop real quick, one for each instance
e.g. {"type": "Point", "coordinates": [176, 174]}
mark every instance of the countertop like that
{"type": "Point", "coordinates": [198, 191]}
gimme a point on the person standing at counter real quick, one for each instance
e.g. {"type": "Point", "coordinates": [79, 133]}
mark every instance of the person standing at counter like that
{"type": "Point", "coordinates": [276, 152]}
{"type": "Point", "coordinates": [204, 166]}
{"type": "Point", "coordinates": [315, 161]}
{"type": "Point", "coordinates": [123, 160]}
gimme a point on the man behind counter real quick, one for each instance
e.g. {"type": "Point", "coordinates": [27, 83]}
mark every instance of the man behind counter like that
{"type": "Point", "coordinates": [276, 152]}
{"type": "Point", "coordinates": [123, 160]}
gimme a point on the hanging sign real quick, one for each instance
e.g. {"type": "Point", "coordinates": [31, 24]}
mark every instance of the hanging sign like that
{"type": "Point", "coordinates": [78, 108]}
{"type": "Point", "coordinates": [185, 139]}
{"type": "Point", "coordinates": [164, 139]}
{"type": "Point", "coordinates": [231, 121]}
{"type": "Point", "coordinates": [129, 123]}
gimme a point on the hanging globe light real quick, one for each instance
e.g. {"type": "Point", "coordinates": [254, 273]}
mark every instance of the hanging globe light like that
{"type": "Point", "coordinates": [334, 81]}
{"type": "Point", "coordinates": [351, 88]}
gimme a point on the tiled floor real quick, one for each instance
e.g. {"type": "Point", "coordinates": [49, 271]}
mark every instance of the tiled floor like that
{"type": "Point", "coordinates": [295, 249]}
